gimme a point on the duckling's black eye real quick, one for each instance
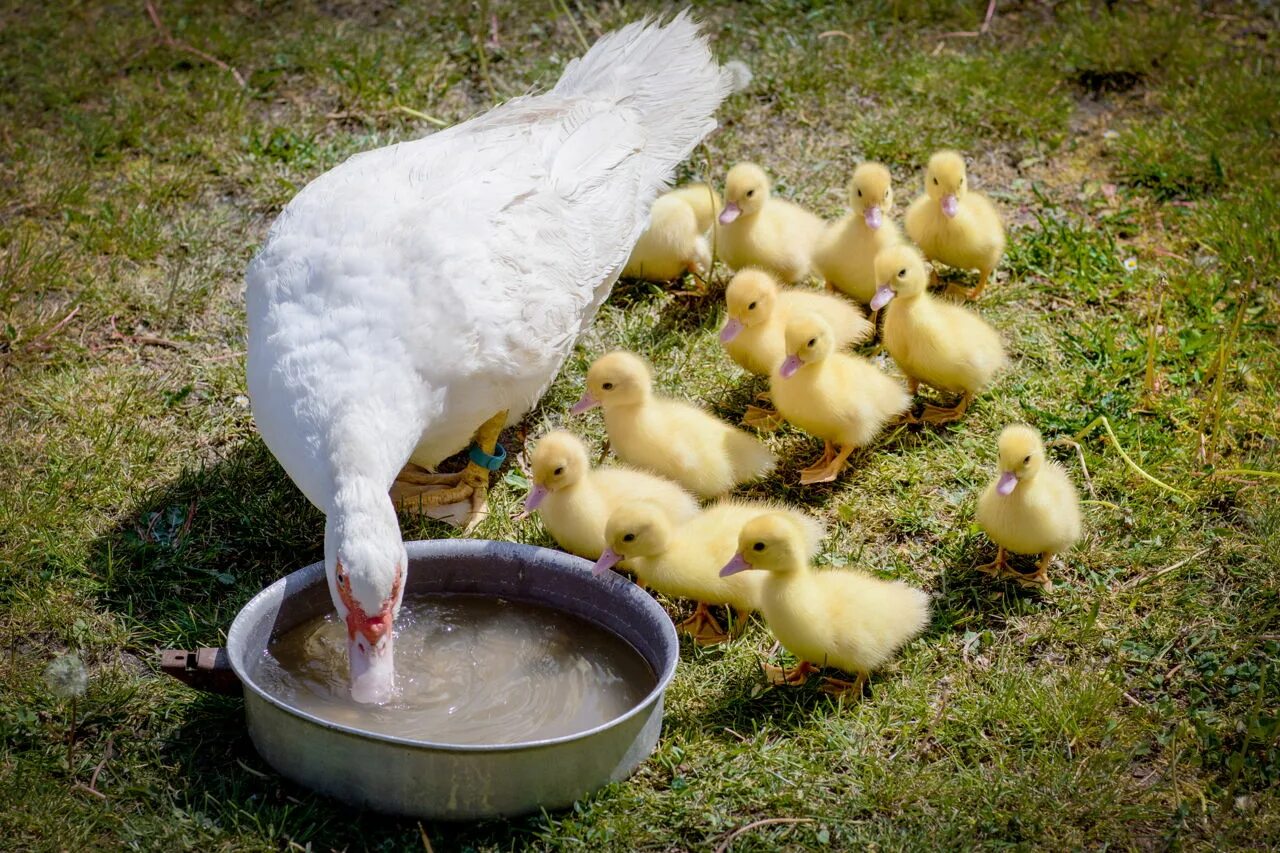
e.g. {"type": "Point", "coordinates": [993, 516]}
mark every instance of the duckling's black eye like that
{"type": "Point", "coordinates": [859, 193]}
{"type": "Point", "coordinates": [558, 471]}
{"type": "Point", "coordinates": [813, 342]}
{"type": "Point", "coordinates": [751, 307]}
{"type": "Point", "coordinates": [608, 386]}
{"type": "Point", "coordinates": [759, 546]}
{"type": "Point", "coordinates": [630, 537]}
{"type": "Point", "coordinates": [1028, 459]}
{"type": "Point", "coordinates": [750, 193]}
{"type": "Point", "coordinates": [902, 272]}
{"type": "Point", "coordinates": [935, 182]}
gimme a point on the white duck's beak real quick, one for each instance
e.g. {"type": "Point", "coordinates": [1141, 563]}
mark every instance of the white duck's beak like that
{"type": "Point", "coordinates": [373, 671]}
{"type": "Point", "coordinates": [873, 216]}
{"type": "Point", "coordinates": [950, 205]}
{"type": "Point", "coordinates": [731, 212]}
{"type": "Point", "coordinates": [732, 328]}
{"type": "Point", "coordinates": [607, 561]}
{"type": "Point", "coordinates": [1007, 483]}
{"type": "Point", "coordinates": [586, 404]}
{"type": "Point", "coordinates": [884, 294]}
{"type": "Point", "coordinates": [737, 564]}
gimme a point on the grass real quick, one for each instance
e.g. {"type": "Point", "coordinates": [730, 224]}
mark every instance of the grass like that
{"type": "Point", "coordinates": [1135, 706]}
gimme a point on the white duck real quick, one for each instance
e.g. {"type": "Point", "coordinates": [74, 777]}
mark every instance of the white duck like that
{"type": "Point", "coordinates": [428, 292]}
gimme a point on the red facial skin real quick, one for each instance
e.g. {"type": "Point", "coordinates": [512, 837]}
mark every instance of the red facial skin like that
{"type": "Point", "coordinates": [372, 627]}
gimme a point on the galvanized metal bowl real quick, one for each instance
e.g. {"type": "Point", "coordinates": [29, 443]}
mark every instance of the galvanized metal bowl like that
{"type": "Point", "coordinates": [450, 781]}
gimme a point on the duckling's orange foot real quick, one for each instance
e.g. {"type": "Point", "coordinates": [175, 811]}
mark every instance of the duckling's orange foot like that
{"type": "Point", "coordinates": [460, 499]}
{"type": "Point", "coordinates": [843, 689]}
{"type": "Point", "coordinates": [703, 627]}
{"type": "Point", "coordinates": [780, 676]}
{"type": "Point", "coordinates": [765, 420]}
{"type": "Point", "coordinates": [1039, 579]}
{"type": "Point", "coordinates": [936, 415]}
{"type": "Point", "coordinates": [997, 568]}
{"type": "Point", "coordinates": [821, 472]}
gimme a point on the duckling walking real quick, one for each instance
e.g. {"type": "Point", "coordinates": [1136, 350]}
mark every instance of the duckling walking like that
{"type": "Point", "coordinates": [574, 502]}
{"type": "Point", "coordinates": [757, 230]}
{"type": "Point", "coordinates": [1031, 508]}
{"type": "Point", "coordinates": [954, 225]}
{"type": "Point", "coordinates": [845, 256]}
{"type": "Point", "coordinates": [942, 345]}
{"type": "Point", "coordinates": [668, 437]}
{"type": "Point", "coordinates": [683, 561]}
{"type": "Point", "coordinates": [841, 618]}
{"type": "Point", "coordinates": [842, 399]}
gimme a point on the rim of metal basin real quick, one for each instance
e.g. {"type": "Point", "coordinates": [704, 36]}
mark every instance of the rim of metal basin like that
{"type": "Point", "coordinates": [442, 548]}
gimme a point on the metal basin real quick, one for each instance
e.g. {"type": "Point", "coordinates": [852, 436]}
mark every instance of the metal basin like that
{"type": "Point", "coordinates": [447, 781]}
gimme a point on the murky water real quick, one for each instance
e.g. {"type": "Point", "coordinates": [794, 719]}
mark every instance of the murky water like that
{"type": "Point", "coordinates": [469, 670]}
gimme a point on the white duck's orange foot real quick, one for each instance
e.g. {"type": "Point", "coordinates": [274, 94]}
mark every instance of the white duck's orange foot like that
{"type": "Point", "coordinates": [703, 627]}
{"type": "Point", "coordinates": [460, 499]}
{"type": "Point", "coordinates": [842, 689]}
{"type": "Point", "coordinates": [781, 676]}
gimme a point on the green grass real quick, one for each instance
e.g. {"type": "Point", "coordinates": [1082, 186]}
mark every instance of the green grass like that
{"type": "Point", "coordinates": [1136, 706]}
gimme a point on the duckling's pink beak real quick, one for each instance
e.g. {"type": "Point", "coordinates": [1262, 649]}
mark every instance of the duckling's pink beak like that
{"type": "Point", "coordinates": [790, 365]}
{"type": "Point", "coordinates": [884, 294]}
{"type": "Point", "coordinates": [1007, 483]}
{"type": "Point", "coordinates": [586, 404]}
{"type": "Point", "coordinates": [607, 561]}
{"type": "Point", "coordinates": [737, 564]}
{"type": "Point", "coordinates": [732, 328]}
{"type": "Point", "coordinates": [873, 216]}
{"type": "Point", "coordinates": [536, 496]}
{"type": "Point", "coordinates": [950, 205]}
{"type": "Point", "coordinates": [731, 212]}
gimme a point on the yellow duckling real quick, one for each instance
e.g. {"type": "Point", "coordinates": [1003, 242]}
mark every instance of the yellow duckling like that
{"type": "Point", "coordinates": [675, 241]}
{"type": "Point", "coordinates": [754, 332]}
{"type": "Point", "coordinates": [953, 225]}
{"type": "Point", "coordinates": [1031, 508]}
{"type": "Point", "coordinates": [837, 617]}
{"type": "Point", "coordinates": [573, 501]}
{"type": "Point", "coordinates": [757, 230]}
{"type": "Point", "coordinates": [846, 254]}
{"type": "Point", "coordinates": [668, 437]}
{"type": "Point", "coordinates": [842, 399]}
{"type": "Point", "coordinates": [942, 345]}
{"type": "Point", "coordinates": [683, 561]}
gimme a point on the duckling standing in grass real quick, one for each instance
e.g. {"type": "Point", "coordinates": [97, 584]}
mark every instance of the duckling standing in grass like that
{"type": "Point", "coordinates": [837, 617]}
{"type": "Point", "coordinates": [942, 345]}
{"type": "Point", "coordinates": [668, 437]}
{"type": "Point", "coordinates": [842, 399]}
{"type": "Point", "coordinates": [683, 561]}
{"type": "Point", "coordinates": [846, 254]}
{"type": "Point", "coordinates": [675, 241]}
{"type": "Point", "coordinates": [954, 225]}
{"type": "Point", "coordinates": [754, 333]}
{"type": "Point", "coordinates": [1031, 508]}
{"type": "Point", "coordinates": [757, 230]}
{"type": "Point", "coordinates": [573, 501]}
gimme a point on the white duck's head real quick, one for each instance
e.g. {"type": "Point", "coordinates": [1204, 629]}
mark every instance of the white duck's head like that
{"type": "Point", "coordinates": [365, 561]}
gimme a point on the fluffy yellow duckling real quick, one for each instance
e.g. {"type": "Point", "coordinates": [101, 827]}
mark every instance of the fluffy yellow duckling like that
{"type": "Point", "coordinates": [684, 561]}
{"type": "Point", "coordinates": [675, 241]}
{"type": "Point", "coordinates": [842, 399]}
{"type": "Point", "coordinates": [1031, 508]}
{"type": "Point", "coordinates": [838, 617]}
{"type": "Point", "coordinates": [942, 345]}
{"type": "Point", "coordinates": [757, 230]}
{"type": "Point", "coordinates": [754, 331]}
{"type": "Point", "coordinates": [573, 501]}
{"type": "Point", "coordinates": [669, 437]}
{"type": "Point", "coordinates": [954, 225]}
{"type": "Point", "coordinates": [845, 255]}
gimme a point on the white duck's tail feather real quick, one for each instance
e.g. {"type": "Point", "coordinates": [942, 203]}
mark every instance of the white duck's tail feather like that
{"type": "Point", "coordinates": [665, 72]}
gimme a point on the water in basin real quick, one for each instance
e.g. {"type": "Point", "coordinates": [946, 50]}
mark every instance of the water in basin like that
{"type": "Point", "coordinates": [469, 670]}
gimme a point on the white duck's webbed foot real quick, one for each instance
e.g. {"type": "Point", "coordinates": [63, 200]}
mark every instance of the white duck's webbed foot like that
{"type": "Point", "coordinates": [460, 499]}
